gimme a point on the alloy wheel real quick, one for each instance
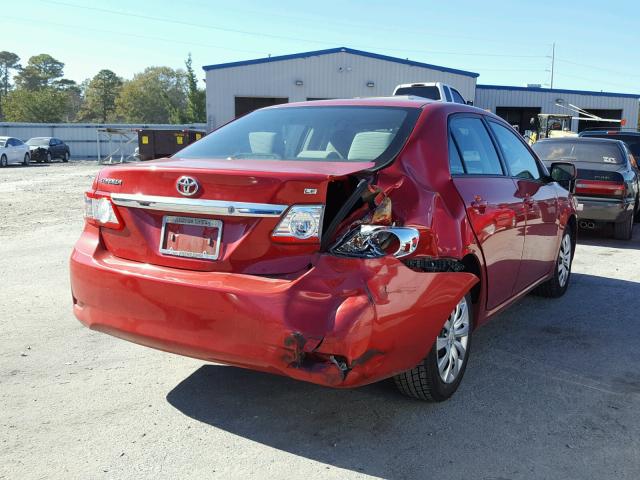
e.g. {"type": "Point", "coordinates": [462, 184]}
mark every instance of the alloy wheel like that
{"type": "Point", "coordinates": [564, 260]}
{"type": "Point", "coordinates": [452, 343]}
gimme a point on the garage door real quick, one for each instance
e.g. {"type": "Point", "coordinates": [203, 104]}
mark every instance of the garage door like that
{"type": "Point", "coordinates": [602, 113]}
{"type": "Point", "coordinates": [520, 116]}
{"type": "Point", "coordinates": [245, 105]}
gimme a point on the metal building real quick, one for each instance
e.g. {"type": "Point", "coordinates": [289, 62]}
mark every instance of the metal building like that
{"type": "Point", "coordinates": [518, 104]}
{"type": "Point", "coordinates": [234, 89]}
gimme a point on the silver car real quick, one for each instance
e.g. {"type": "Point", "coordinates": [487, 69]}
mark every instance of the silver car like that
{"type": "Point", "coordinates": [13, 150]}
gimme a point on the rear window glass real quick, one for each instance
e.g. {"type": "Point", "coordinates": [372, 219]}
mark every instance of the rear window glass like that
{"type": "Point", "coordinates": [589, 152]}
{"type": "Point", "coordinates": [323, 134]}
{"type": "Point", "coordinates": [632, 141]}
{"type": "Point", "coordinates": [429, 92]}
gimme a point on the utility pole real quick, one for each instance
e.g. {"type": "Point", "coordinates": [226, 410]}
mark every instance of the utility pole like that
{"type": "Point", "coordinates": [553, 61]}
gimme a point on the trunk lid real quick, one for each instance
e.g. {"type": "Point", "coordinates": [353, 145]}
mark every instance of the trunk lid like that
{"type": "Point", "coordinates": [245, 199]}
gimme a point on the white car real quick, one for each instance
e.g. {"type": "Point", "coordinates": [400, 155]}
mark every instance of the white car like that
{"type": "Point", "coordinates": [431, 90]}
{"type": "Point", "coordinates": [13, 150]}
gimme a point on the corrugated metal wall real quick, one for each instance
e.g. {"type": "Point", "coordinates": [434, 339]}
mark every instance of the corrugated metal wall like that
{"type": "Point", "coordinates": [490, 98]}
{"type": "Point", "coordinates": [336, 75]}
{"type": "Point", "coordinates": [82, 138]}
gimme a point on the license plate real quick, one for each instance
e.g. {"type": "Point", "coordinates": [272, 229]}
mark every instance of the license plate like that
{"type": "Point", "coordinates": [190, 237]}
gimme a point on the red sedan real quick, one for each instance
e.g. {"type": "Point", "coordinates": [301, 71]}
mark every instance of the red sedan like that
{"type": "Point", "coordinates": [338, 242]}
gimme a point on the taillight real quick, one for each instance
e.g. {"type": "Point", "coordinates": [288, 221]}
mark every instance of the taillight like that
{"type": "Point", "coordinates": [301, 224]}
{"type": "Point", "coordinates": [601, 188]}
{"type": "Point", "coordinates": [100, 211]}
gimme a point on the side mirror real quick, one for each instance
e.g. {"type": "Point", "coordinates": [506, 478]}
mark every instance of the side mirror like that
{"type": "Point", "coordinates": [470, 102]}
{"type": "Point", "coordinates": [565, 174]}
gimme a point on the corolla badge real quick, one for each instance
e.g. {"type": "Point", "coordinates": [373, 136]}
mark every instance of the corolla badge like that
{"type": "Point", "coordinates": [187, 186]}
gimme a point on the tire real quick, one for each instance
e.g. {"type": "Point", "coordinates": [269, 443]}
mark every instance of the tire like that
{"type": "Point", "coordinates": [636, 214]}
{"type": "Point", "coordinates": [26, 159]}
{"type": "Point", "coordinates": [65, 157]}
{"type": "Point", "coordinates": [557, 285]}
{"type": "Point", "coordinates": [48, 158]}
{"type": "Point", "coordinates": [623, 230]}
{"type": "Point", "coordinates": [431, 382]}
{"type": "Point", "coordinates": [3, 161]}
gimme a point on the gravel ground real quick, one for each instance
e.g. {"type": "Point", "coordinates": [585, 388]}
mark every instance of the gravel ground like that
{"type": "Point", "coordinates": [552, 389]}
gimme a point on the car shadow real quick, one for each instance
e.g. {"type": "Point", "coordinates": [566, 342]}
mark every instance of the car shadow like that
{"type": "Point", "coordinates": [536, 372]}
{"type": "Point", "coordinates": [603, 237]}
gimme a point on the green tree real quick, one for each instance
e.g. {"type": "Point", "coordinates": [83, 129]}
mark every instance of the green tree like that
{"type": "Point", "coordinates": [43, 105]}
{"type": "Point", "coordinates": [156, 95]}
{"type": "Point", "coordinates": [8, 61]}
{"type": "Point", "coordinates": [100, 97]}
{"type": "Point", "coordinates": [196, 98]}
{"type": "Point", "coordinates": [41, 71]}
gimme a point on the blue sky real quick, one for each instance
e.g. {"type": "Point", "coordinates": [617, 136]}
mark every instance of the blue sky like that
{"type": "Point", "coordinates": [507, 42]}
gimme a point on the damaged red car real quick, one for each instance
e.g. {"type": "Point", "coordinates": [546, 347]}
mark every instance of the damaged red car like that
{"type": "Point", "coordinates": [340, 242]}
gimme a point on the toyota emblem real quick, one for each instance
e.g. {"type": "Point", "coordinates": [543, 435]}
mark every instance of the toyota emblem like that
{"type": "Point", "coordinates": [187, 186]}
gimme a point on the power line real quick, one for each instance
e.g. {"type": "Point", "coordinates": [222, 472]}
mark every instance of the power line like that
{"type": "Point", "coordinates": [595, 67]}
{"type": "Point", "coordinates": [593, 80]}
{"type": "Point", "coordinates": [279, 37]}
{"type": "Point", "coordinates": [136, 35]}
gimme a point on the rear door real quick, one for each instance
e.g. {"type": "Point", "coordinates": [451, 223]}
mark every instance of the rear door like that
{"type": "Point", "coordinates": [541, 205]}
{"type": "Point", "coordinates": [495, 210]}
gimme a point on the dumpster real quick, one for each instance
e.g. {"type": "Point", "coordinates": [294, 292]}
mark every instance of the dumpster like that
{"type": "Point", "coordinates": [163, 143]}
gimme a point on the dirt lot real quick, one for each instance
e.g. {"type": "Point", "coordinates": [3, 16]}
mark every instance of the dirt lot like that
{"type": "Point", "coordinates": [552, 389]}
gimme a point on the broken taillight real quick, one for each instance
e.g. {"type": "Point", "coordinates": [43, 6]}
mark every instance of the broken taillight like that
{"type": "Point", "coordinates": [601, 188]}
{"type": "Point", "coordinates": [100, 211]}
{"type": "Point", "coordinates": [374, 241]}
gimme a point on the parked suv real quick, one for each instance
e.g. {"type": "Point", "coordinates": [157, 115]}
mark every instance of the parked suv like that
{"type": "Point", "coordinates": [45, 149]}
{"type": "Point", "coordinates": [607, 181]}
{"type": "Point", "coordinates": [339, 242]}
{"type": "Point", "coordinates": [630, 136]}
{"type": "Point", "coordinates": [431, 90]}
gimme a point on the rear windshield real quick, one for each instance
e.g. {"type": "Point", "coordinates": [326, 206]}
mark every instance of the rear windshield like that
{"type": "Point", "coordinates": [429, 92]}
{"type": "Point", "coordinates": [590, 152]}
{"type": "Point", "coordinates": [632, 141]}
{"type": "Point", "coordinates": [334, 134]}
{"type": "Point", "coordinates": [38, 141]}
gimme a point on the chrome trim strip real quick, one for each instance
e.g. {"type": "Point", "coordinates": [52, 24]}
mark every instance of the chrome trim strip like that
{"type": "Point", "coordinates": [194, 205]}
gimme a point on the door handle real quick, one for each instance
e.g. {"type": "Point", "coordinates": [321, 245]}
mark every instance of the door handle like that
{"type": "Point", "coordinates": [479, 205]}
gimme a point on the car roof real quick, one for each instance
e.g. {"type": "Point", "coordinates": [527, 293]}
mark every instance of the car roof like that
{"type": "Point", "coordinates": [580, 140]}
{"type": "Point", "coordinates": [612, 133]}
{"type": "Point", "coordinates": [410, 101]}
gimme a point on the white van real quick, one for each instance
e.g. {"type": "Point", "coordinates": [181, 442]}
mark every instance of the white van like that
{"type": "Point", "coordinates": [431, 90]}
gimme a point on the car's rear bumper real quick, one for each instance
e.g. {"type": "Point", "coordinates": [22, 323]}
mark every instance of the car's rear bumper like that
{"type": "Point", "coordinates": [604, 209]}
{"type": "Point", "coordinates": [345, 322]}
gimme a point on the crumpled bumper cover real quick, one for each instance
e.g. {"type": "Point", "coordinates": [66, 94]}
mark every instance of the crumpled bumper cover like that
{"type": "Point", "coordinates": [344, 323]}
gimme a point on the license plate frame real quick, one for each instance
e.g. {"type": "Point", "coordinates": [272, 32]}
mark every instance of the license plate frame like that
{"type": "Point", "coordinates": [190, 221]}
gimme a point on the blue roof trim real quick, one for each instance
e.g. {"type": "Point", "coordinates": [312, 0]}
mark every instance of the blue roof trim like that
{"type": "Point", "coordinates": [557, 90]}
{"type": "Point", "coordinates": [329, 51]}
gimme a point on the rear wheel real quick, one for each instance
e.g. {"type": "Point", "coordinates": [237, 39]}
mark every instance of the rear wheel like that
{"type": "Point", "coordinates": [636, 215]}
{"type": "Point", "coordinates": [25, 160]}
{"type": "Point", "coordinates": [623, 230]}
{"type": "Point", "coordinates": [65, 157]}
{"type": "Point", "coordinates": [557, 285]}
{"type": "Point", "coordinates": [437, 377]}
